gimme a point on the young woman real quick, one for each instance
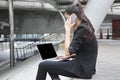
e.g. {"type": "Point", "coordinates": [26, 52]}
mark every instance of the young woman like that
{"type": "Point", "coordinates": [83, 44]}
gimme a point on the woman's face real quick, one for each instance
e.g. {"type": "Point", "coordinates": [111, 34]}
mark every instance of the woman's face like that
{"type": "Point", "coordinates": [67, 16]}
{"type": "Point", "coordinates": [74, 17]}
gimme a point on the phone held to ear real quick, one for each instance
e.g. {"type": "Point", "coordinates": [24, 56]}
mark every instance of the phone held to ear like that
{"type": "Point", "coordinates": [73, 18]}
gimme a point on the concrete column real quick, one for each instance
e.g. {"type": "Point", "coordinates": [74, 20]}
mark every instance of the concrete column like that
{"type": "Point", "coordinates": [11, 21]}
{"type": "Point", "coordinates": [96, 11]}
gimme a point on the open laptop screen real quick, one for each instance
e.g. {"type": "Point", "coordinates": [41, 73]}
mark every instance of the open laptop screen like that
{"type": "Point", "coordinates": [46, 50]}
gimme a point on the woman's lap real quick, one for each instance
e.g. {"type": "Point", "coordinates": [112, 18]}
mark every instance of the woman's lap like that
{"type": "Point", "coordinates": [57, 67]}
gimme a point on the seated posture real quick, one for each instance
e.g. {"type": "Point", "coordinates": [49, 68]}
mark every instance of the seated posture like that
{"type": "Point", "coordinates": [83, 44]}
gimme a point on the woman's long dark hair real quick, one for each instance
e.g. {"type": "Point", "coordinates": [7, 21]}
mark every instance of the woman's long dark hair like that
{"type": "Point", "coordinates": [78, 10]}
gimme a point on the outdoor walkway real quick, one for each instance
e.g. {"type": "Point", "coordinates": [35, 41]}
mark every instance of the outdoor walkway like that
{"type": "Point", "coordinates": [108, 65]}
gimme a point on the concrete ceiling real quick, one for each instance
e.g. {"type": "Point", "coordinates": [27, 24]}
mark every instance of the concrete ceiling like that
{"type": "Point", "coordinates": [33, 22]}
{"type": "Point", "coordinates": [39, 21]}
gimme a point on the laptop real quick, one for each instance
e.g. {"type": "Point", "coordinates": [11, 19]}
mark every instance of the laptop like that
{"type": "Point", "coordinates": [47, 51]}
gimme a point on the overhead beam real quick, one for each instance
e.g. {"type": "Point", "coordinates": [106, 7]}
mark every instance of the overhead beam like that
{"type": "Point", "coordinates": [28, 5]}
{"type": "Point", "coordinates": [117, 1]}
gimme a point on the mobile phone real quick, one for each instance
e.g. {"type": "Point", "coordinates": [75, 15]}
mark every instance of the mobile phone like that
{"type": "Point", "coordinates": [73, 18]}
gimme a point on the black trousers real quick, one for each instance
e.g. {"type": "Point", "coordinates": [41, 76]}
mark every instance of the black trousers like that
{"type": "Point", "coordinates": [54, 68]}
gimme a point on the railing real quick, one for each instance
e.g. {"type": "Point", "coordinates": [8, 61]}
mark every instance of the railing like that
{"type": "Point", "coordinates": [115, 9]}
{"type": "Point", "coordinates": [23, 50]}
{"type": "Point", "coordinates": [4, 46]}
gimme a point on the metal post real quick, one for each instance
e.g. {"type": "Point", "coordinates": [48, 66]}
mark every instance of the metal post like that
{"type": "Point", "coordinates": [11, 21]}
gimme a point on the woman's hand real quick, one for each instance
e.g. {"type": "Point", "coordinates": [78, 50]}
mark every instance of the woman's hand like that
{"type": "Point", "coordinates": [61, 57]}
{"type": "Point", "coordinates": [66, 57]}
{"type": "Point", "coordinates": [68, 25]}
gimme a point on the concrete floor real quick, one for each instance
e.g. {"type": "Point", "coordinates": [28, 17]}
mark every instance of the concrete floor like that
{"type": "Point", "coordinates": [108, 65]}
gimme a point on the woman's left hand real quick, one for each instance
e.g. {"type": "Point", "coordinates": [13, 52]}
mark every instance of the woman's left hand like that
{"type": "Point", "coordinates": [61, 57]}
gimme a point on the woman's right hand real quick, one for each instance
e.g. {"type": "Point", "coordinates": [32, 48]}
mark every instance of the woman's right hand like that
{"type": "Point", "coordinates": [68, 25]}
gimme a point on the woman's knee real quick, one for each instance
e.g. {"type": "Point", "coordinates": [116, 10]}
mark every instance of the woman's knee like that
{"type": "Point", "coordinates": [43, 64]}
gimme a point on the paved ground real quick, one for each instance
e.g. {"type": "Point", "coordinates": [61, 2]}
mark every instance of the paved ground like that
{"type": "Point", "coordinates": [108, 65]}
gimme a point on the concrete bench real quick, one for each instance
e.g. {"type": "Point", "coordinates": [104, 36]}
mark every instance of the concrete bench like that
{"type": "Point", "coordinates": [68, 78]}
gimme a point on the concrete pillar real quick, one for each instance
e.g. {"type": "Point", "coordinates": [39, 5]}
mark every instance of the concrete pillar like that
{"type": "Point", "coordinates": [11, 21]}
{"type": "Point", "coordinates": [96, 11]}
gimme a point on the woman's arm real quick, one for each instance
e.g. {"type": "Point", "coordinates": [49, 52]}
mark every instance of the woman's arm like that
{"type": "Point", "coordinates": [68, 28]}
{"type": "Point", "coordinates": [67, 42]}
